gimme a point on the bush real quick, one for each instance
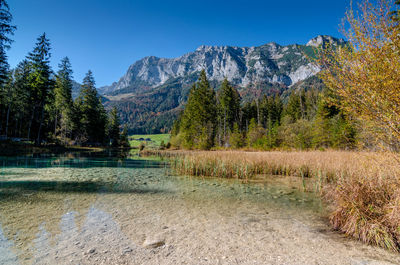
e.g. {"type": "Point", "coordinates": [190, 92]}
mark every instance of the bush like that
{"type": "Point", "coordinates": [141, 146]}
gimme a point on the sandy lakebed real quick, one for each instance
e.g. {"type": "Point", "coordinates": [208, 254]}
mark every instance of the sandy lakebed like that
{"type": "Point", "coordinates": [77, 210]}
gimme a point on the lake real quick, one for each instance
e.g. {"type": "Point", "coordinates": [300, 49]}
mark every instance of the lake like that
{"type": "Point", "coordinates": [95, 208]}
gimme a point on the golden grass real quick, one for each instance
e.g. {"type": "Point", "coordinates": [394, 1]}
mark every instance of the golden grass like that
{"type": "Point", "coordinates": [362, 188]}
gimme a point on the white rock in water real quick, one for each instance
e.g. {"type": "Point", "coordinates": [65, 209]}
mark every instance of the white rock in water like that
{"type": "Point", "coordinates": [154, 242]}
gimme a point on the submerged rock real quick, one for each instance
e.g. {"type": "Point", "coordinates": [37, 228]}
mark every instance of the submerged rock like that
{"type": "Point", "coordinates": [154, 242]}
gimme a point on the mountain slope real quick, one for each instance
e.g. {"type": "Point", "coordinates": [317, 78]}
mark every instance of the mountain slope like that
{"type": "Point", "coordinates": [153, 90]}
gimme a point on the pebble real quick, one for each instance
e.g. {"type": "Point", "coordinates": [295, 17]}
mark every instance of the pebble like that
{"type": "Point", "coordinates": [91, 251]}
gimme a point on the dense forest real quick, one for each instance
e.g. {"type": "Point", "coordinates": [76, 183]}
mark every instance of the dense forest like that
{"type": "Point", "coordinates": [304, 120]}
{"type": "Point", "coordinates": [36, 103]}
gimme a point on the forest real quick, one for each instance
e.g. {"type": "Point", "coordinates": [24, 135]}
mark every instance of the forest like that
{"type": "Point", "coordinates": [36, 103]}
{"type": "Point", "coordinates": [305, 119]}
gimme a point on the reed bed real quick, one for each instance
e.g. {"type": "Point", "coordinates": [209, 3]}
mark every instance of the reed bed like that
{"type": "Point", "coordinates": [362, 188]}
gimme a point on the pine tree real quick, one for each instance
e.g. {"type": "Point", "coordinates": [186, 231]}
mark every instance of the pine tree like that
{"type": "Point", "coordinates": [22, 103]}
{"type": "Point", "coordinates": [9, 97]}
{"type": "Point", "coordinates": [92, 113]}
{"type": "Point", "coordinates": [236, 137]}
{"type": "Point", "coordinates": [40, 81]}
{"type": "Point", "coordinates": [228, 108]}
{"type": "Point", "coordinates": [124, 140]}
{"type": "Point", "coordinates": [63, 99]}
{"type": "Point", "coordinates": [199, 118]}
{"type": "Point", "coordinates": [256, 135]}
{"type": "Point", "coordinates": [114, 125]}
{"type": "Point", "coordinates": [6, 29]}
{"type": "Point", "coordinates": [294, 107]}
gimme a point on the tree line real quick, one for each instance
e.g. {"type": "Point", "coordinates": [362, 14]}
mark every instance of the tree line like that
{"type": "Point", "coordinates": [36, 103]}
{"type": "Point", "coordinates": [303, 120]}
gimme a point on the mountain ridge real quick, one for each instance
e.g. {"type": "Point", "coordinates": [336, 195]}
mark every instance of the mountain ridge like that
{"type": "Point", "coordinates": [241, 65]}
{"type": "Point", "coordinates": [153, 90]}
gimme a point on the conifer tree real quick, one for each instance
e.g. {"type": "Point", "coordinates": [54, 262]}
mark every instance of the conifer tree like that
{"type": "Point", "coordinates": [228, 108]}
{"type": "Point", "coordinates": [294, 108]}
{"type": "Point", "coordinates": [236, 137]}
{"type": "Point", "coordinates": [199, 118]}
{"type": "Point", "coordinates": [114, 125]}
{"type": "Point", "coordinates": [22, 103]}
{"type": "Point", "coordinates": [6, 29]}
{"type": "Point", "coordinates": [63, 99]}
{"type": "Point", "coordinates": [92, 113]}
{"type": "Point", "coordinates": [124, 140]}
{"type": "Point", "coordinates": [41, 83]}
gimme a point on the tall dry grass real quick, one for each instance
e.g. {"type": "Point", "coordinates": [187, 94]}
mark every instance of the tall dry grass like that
{"type": "Point", "coordinates": [362, 188]}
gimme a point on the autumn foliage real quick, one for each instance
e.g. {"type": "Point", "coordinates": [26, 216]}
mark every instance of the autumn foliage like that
{"type": "Point", "coordinates": [365, 74]}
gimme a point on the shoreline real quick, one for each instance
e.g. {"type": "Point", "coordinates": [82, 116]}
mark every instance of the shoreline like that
{"type": "Point", "coordinates": [14, 148]}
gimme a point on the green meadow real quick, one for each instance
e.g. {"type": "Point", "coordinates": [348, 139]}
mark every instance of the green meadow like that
{"type": "Point", "coordinates": [153, 140]}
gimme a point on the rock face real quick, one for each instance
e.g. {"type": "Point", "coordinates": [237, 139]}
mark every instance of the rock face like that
{"type": "Point", "coordinates": [323, 40]}
{"type": "Point", "coordinates": [243, 66]}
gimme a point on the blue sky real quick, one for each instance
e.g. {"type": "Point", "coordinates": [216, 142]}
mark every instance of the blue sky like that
{"type": "Point", "coordinates": [108, 36]}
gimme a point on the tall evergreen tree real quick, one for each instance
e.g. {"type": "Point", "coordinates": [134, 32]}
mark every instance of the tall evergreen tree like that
{"type": "Point", "coordinates": [40, 82]}
{"type": "Point", "coordinates": [22, 102]}
{"type": "Point", "coordinates": [93, 117]}
{"type": "Point", "coordinates": [199, 118]}
{"type": "Point", "coordinates": [228, 108]}
{"type": "Point", "coordinates": [63, 99]}
{"type": "Point", "coordinates": [124, 140]}
{"type": "Point", "coordinates": [114, 124]}
{"type": "Point", "coordinates": [6, 29]}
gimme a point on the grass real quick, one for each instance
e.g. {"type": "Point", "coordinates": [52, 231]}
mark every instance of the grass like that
{"type": "Point", "coordinates": [362, 188]}
{"type": "Point", "coordinates": [155, 142]}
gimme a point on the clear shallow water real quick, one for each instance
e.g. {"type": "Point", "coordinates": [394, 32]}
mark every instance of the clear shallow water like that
{"type": "Point", "coordinates": [96, 209]}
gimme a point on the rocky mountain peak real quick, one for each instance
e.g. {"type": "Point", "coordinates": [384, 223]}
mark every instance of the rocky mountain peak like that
{"type": "Point", "coordinates": [322, 40]}
{"type": "Point", "coordinates": [243, 66]}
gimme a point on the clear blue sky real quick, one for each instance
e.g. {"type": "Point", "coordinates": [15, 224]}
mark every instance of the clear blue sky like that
{"type": "Point", "coordinates": [108, 36]}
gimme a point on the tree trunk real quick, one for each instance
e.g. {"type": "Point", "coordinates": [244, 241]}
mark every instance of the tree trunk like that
{"type": "Point", "coordinates": [20, 129]}
{"type": "Point", "coordinates": [1, 119]}
{"type": "Point", "coordinates": [39, 140]}
{"type": "Point", "coordinates": [224, 126]}
{"type": "Point", "coordinates": [55, 125]}
{"type": "Point", "coordinates": [30, 124]}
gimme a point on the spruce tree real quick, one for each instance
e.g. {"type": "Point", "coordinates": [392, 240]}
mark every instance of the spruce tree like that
{"type": "Point", "coordinates": [228, 108]}
{"type": "Point", "coordinates": [114, 124]}
{"type": "Point", "coordinates": [63, 99]}
{"type": "Point", "coordinates": [199, 118]}
{"type": "Point", "coordinates": [93, 117]}
{"type": "Point", "coordinates": [124, 140]}
{"type": "Point", "coordinates": [22, 103]}
{"type": "Point", "coordinates": [40, 82]}
{"type": "Point", "coordinates": [6, 29]}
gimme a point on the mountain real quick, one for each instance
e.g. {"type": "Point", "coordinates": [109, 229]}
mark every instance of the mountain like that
{"type": "Point", "coordinates": [153, 90]}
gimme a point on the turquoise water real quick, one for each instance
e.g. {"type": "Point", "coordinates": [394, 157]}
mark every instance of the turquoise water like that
{"type": "Point", "coordinates": [96, 208]}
